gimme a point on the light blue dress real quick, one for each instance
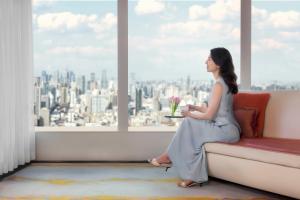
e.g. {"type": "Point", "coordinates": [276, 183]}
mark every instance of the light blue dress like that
{"type": "Point", "coordinates": [186, 150]}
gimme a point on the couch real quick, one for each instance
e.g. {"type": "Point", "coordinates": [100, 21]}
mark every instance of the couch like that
{"type": "Point", "coordinates": [270, 162]}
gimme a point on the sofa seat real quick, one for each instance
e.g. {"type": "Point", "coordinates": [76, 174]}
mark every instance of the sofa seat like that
{"type": "Point", "coordinates": [273, 144]}
{"type": "Point", "coordinates": [285, 152]}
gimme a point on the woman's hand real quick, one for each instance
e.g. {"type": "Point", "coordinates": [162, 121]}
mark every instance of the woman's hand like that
{"type": "Point", "coordinates": [191, 107]}
{"type": "Point", "coordinates": [185, 113]}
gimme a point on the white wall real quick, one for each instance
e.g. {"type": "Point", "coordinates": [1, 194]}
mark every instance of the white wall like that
{"type": "Point", "coordinates": [91, 146]}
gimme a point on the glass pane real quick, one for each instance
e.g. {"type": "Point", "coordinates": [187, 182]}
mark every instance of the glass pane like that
{"type": "Point", "coordinates": [75, 63]}
{"type": "Point", "coordinates": [275, 45]}
{"type": "Point", "coordinates": [169, 42]}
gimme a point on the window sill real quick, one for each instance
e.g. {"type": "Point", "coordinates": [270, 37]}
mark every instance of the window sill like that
{"type": "Point", "coordinates": [104, 129]}
{"type": "Point", "coordinates": [75, 129]}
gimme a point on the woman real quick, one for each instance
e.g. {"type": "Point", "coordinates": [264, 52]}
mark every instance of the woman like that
{"type": "Point", "coordinates": [213, 122]}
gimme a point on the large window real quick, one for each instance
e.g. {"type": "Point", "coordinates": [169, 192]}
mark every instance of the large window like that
{"type": "Point", "coordinates": [76, 59]}
{"type": "Point", "coordinates": [75, 63]}
{"type": "Point", "coordinates": [169, 42]}
{"type": "Point", "coordinates": [275, 45]}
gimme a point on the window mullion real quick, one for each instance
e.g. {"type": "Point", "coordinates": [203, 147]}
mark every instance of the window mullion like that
{"type": "Point", "coordinates": [123, 65]}
{"type": "Point", "coordinates": [245, 44]}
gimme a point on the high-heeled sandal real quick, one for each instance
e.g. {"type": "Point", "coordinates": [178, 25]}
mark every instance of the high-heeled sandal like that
{"type": "Point", "coordinates": [155, 163]}
{"type": "Point", "coordinates": [187, 185]}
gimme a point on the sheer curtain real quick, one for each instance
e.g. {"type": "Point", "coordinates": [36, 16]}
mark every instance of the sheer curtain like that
{"type": "Point", "coordinates": [17, 139]}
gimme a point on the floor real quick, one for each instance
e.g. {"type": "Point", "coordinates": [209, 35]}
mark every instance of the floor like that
{"type": "Point", "coordinates": [128, 181]}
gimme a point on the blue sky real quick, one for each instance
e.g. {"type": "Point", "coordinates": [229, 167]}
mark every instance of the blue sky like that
{"type": "Point", "coordinates": [167, 39]}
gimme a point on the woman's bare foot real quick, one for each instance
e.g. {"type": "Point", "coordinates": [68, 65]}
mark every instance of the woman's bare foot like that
{"type": "Point", "coordinates": [163, 159]}
{"type": "Point", "coordinates": [187, 183]}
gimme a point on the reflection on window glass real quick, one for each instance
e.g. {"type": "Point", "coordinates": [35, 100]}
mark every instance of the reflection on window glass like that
{"type": "Point", "coordinates": [75, 63]}
{"type": "Point", "coordinates": [275, 45]}
{"type": "Point", "coordinates": [169, 42]}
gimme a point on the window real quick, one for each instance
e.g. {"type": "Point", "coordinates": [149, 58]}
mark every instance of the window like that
{"type": "Point", "coordinates": [169, 42]}
{"type": "Point", "coordinates": [75, 63]}
{"type": "Point", "coordinates": [275, 45]}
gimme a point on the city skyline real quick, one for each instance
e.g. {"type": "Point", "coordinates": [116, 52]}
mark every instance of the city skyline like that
{"type": "Point", "coordinates": [70, 99]}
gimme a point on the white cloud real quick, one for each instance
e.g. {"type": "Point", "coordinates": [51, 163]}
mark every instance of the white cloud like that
{"type": "Point", "coordinates": [42, 2]}
{"type": "Point", "coordinates": [272, 43]}
{"type": "Point", "coordinates": [289, 35]}
{"type": "Point", "coordinates": [196, 11]}
{"type": "Point", "coordinates": [258, 13]}
{"type": "Point", "coordinates": [268, 44]}
{"type": "Point", "coordinates": [84, 50]}
{"type": "Point", "coordinates": [63, 20]}
{"type": "Point", "coordinates": [280, 19]}
{"type": "Point", "coordinates": [149, 6]}
{"type": "Point", "coordinates": [69, 21]}
{"type": "Point", "coordinates": [220, 10]}
{"type": "Point", "coordinates": [197, 28]}
{"type": "Point", "coordinates": [154, 43]}
{"type": "Point", "coordinates": [236, 33]}
{"type": "Point", "coordinates": [106, 23]}
{"type": "Point", "coordinates": [288, 19]}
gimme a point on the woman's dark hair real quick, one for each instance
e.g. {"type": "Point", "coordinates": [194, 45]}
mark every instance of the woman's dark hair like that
{"type": "Point", "coordinates": [222, 58]}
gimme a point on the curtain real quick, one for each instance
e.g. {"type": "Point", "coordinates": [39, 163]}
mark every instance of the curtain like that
{"type": "Point", "coordinates": [17, 139]}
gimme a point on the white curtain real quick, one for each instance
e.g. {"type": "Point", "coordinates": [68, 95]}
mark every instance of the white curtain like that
{"type": "Point", "coordinates": [17, 139]}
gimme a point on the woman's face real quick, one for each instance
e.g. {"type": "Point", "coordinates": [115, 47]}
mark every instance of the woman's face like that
{"type": "Point", "coordinates": [211, 65]}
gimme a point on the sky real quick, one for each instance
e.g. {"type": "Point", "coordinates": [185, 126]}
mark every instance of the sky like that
{"type": "Point", "coordinates": [168, 40]}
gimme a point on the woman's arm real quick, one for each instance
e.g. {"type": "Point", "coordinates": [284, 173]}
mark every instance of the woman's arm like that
{"type": "Point", "coordinates": [210, 111]}
{"type": "Point", "coordinates": [201, 108]}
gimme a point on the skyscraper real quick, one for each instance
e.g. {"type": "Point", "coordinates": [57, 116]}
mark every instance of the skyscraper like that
{"type": "Point", "coordinates": [188, 84]}
{"type": "Point", "coordinates": [99, 103]}
{"type": "Point", "coordinates": [45, 117]}
{"type": "Point", "coordinates": [138, 100]}
{"type": "Point", "coordinates": [81, 84]}
{"type": "Point", "coordinates": [93, 76]}
{"type": "Point", "coordinates": [63, 95]}
{"type": "Point", "coordinates": [104, 81]}
{"type": "Point", "coordinates": [37, 98]}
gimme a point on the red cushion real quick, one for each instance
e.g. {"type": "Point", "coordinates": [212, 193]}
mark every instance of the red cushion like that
{"type": "Point", "coordinates": [254, 100]}
{"type": "Point", "coordinates": [247, 119]}
{"type": "Point", "coordinates": [272, 144]}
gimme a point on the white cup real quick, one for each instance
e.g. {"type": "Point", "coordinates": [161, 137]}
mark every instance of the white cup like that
{"type": "Point", "coordinates": [184, 108]}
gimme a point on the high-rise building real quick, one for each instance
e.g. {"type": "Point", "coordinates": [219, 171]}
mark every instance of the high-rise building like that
{"type": "Point", "coordinates": [188, 83]}
{"type": "Point", "coordinates": [99, 103]}
{"type": "Point", "coordinates": [63, 95]}
{"type": "Point", "coordinates": [104, 81]}
{"type": "Point", "coordinates": [172, 91]}
{"type": "Point", "coordinates": [37, 98]}
{"type": "Point", "coordinates": [93, 77]}
{"type": "Point", "coordinates": [156, 104]}
{"type": "Point", "coordinates": [81, 84]}
{"type": "Point", "coordinates": [138, 100]}
{"type": "Point", "coordinates": [73, 98]}
{"type": "Point", "coordinates": [44, 117]}
{"type": "Point", "coordinates": [45, 101]}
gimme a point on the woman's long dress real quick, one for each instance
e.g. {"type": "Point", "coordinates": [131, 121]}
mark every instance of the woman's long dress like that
{"type": "Point", "coordinates": [186, 150]}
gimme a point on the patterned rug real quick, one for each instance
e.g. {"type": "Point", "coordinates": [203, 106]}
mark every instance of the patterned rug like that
{"type": "Point", "coordinates": [93, 181]}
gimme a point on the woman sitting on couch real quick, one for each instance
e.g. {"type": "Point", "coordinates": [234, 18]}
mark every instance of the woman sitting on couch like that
{"type": "Point", "coordinates": [209, 123]}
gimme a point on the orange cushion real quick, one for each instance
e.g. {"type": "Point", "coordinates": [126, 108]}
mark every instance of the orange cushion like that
{"type": "Point", "coordinates": [246, 117]}
{"type": "Point", "coordinates": [272, 144]}
{"type": "Point", "coordinates": [258, 101]}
